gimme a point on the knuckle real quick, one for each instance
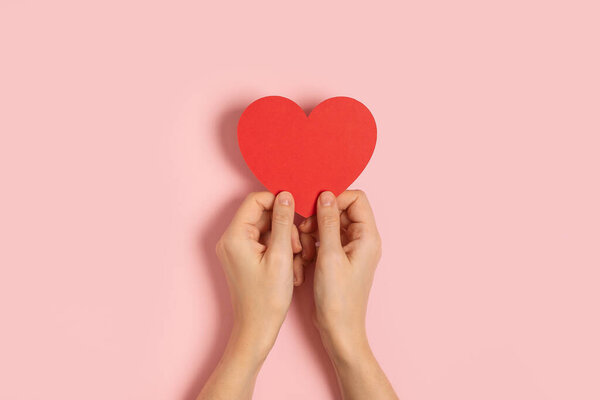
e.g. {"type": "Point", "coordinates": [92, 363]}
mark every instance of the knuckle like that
{"type": "Point", "coordinates": [249, 231]}
{"type": "Point", "coordinates": [225, 244]}
{"type": "Point", "coordinates": [355, 234]}
{"type": "Point", "coordinates": [329, 221]}
{"type": "Point", "coordinates": [256, 197]}
{"type": "Point", "coordinates": [361, 193]}
{"type": "Point", "coordinates": [221, 248]}
{"type": "Point", "coordinates": [362, 199]}
{"type": "Point", "coordinates": [251, 196]}
{"type": "Point", "coordinates": [281, 218]}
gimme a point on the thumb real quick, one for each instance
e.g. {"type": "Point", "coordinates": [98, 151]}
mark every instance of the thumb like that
{"type": "Point", "coordinates": [328, 220]}
{"type": "Point", "coordinates": [282, 222]}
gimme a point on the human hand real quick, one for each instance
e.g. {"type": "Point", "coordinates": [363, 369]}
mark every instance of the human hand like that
{"type": "Point", "coordinates": [256, 252]}
{"type": "Point", "coordinates": [348, 253]}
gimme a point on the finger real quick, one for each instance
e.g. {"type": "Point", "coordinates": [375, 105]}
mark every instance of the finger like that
{"type": "Point", "coordinates": [357, 207]}
{"type": "Point", "coordinates": [344, 220]}
{"type": "Point", "coordinates": [309, 224]}
{"type": "Point", "coordinates": [299, 264]}
{"type": "Point", "coordinates": [296, 244]}
{"type": "Point", "coordinates": [309, 227]}
{"type": "Point", "coordinates": [344, 236]}
{"type": "Point", "coordinates": [264, 222]}
{"type": "Point", "coordinates": [282, 221]}
{"type": "Point", "coordinates": [328, 220]}
{"type": "Point", "coordinates": [309, 250]}
{"type": "Point", "coordinates": [252, 209]}
{"type": "Point", "coordinates": [364, 243]}
{"type": "Point", "coordinates": [356, 231]}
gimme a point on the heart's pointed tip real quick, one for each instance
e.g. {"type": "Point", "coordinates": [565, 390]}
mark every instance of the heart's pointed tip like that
{"type": "Point", "coordinates": [306, 212]}
{"type": "Point", "coordinates": [307, 215]}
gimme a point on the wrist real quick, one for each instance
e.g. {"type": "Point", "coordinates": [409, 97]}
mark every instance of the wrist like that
{"type": "Point", "coordinates": [345, 346]}
{"type": "Point", "coordinates": [254, 344]}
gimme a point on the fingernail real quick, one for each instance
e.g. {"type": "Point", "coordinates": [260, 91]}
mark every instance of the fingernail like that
{"type": "Point", "coordinates": [285, 198]}
{"type": "Point", "coordinates": [327, 198]}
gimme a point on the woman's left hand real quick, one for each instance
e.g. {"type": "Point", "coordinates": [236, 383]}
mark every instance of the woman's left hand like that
{"type": "Point", "coordinates": [257, 253]}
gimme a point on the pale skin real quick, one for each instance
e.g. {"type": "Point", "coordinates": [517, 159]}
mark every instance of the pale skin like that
{"type": "Point", "coordinates": [264, 254]}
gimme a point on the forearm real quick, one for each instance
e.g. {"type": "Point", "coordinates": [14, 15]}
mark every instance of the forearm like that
{"type": "Point", "coordinates": [235, 375]}
{"type": "Point", "coordinates": [358, 372]}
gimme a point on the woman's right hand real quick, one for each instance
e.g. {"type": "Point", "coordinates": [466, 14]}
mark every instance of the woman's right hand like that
{"type": "Point", "coordinates": [348, 252]}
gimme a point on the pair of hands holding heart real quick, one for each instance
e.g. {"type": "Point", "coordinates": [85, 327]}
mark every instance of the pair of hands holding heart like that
{"type": "Point", "coordinates": [287, 150]}
{"type": "Point", "coordinates": [264, 253]}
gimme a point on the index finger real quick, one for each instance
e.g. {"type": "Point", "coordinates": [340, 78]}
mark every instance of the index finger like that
{"type": "Point", "coordinates": [357, 207]}
{"type": "Point", "coordinates": [252, 209]}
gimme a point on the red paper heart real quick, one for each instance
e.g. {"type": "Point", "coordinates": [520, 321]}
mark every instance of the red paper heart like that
{"type": "Point", "coordinates": [287, 150]}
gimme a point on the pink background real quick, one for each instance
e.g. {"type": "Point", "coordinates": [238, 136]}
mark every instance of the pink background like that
{"type": "Point", "coordinates": [119, 169]}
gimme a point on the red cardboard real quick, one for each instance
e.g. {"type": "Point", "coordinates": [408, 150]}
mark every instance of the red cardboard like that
{"type": "Point", "coordinates": [305, 155]}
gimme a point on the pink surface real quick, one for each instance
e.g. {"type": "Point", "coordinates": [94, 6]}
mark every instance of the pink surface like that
{"type": "Point", "coordinates": [119, 168]}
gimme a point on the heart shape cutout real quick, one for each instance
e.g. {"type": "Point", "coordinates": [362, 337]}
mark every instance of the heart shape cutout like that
{"type": "Point", "coordinates": [306, 155]}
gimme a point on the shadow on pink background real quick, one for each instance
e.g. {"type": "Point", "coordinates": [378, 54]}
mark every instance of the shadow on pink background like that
{"type": "Point", "coordinates": [207, 240]}
{"type": "Point", "coordinates": [119, 170]}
